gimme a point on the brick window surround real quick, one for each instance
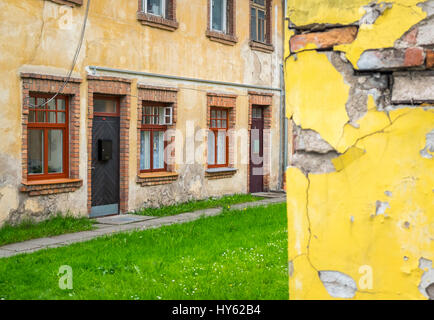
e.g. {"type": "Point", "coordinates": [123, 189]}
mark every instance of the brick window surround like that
{"type": "Point", "coordinates": [228, 101]}
{"type": "Point", "coordinates": [168, 23]}
{"type": "Point", "coordinates": [121, 88]}
{"type": "Point", "coordinates": [229, 37]}
{"type": "Point", "coordinates": [264, 100]}
{"type": "Point", "coordinates": [266, 46]}
{"type": "Point", "coordinates": [164, 95]}
{"type": "Point", "coordinates": [69, 2]}
{"type": "Point", "coordinates": [48, 84]}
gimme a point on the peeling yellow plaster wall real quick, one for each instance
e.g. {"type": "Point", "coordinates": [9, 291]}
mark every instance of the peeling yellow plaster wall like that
{"type": "Point", "coordinates": [316, 95]}
{"type": "Point", "coordinates": [372, 219]}
{"type": "Point", "coordinates": [337, 212]}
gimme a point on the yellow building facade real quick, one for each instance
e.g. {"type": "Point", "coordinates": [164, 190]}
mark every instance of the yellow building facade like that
{"type": "Point", "coordinates": [359, 96]}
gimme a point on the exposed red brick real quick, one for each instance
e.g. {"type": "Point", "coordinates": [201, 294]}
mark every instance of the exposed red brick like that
{"type": "Point", "coordinates": [414, 57]}
{"type": "Point", "coordinates": [324, 40]}
{"type": "Point", "coordinates": [430, 59]}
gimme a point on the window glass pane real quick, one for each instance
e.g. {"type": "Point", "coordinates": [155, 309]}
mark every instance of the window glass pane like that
{"type": "Point", "coordinates": [52, 105]}
{"type": "Point", "coordinates": [145, 147]}
{"type": "Point", "coordinates": [224, 124]}
{"type": "Point", "coordinates": [61, 104]}
{"type": "Point", "coordinates": [211, 147]}
{"type": "Point", "coordinates": [158, 150]}
{"type": "Point", "coordinates": [219, 125]}
{"type": "Point", "coordinates": [221, 147]}
{"type": "Point", "coordinates": [260, 2]}
{"type": "Point", "coordinates": [213, 114]}
{"type": "Point", "coordinates": [155, 7]}
{"type": "Point", "coordinates": [35, 141]}
{"type": "Point", "coordinates": [55, 151]}
{"type": "Point", "coordinates": [217, 15]}
{"type": "Point", "coordinates": [52, 117]}
{"type": "Point", "coordinates": [61, 117]}
{"type": "Point", "coordinates": [32, 116]}
{"type": "Point", "coordinates": [32, 102]}
{"type": "Point", "coordinates": [261, 25]}
{"type": "Point", "coordinates": [161, 115]}
{"type": "Point", "coordinates": [253, 24]}
{"type": "Point", "coordinates": [39, 103]}
{"type": "Point", "coordinates": [41, 116]}
{"type": "Point", "coordinates": [106, 106]}
{"type": "Point", "coordinates": [213, 125]}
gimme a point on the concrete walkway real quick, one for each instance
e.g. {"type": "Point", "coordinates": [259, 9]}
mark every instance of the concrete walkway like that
{"type": "Point", "coordinates": [128, 222]}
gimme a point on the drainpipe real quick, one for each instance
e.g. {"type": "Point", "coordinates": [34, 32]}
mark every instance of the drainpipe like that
{"type": "Point", "coordinates": [93, 71]}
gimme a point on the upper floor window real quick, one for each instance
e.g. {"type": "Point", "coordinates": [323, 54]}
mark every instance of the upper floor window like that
{"type": "Point", "coordinates": [258, 20]}
{"type": "Point", "coordinates": [159, 14]}
{"type": "Point", "coordinates": [260, 25]}
{"type": "Point", "coordinates": [155, 7]}
{"type": "Point", "coordinates": [219, 15]}
{"type": "Point", "coordinates": [47, 138]}
{"type": "Point", "coordinates": [221, 21]}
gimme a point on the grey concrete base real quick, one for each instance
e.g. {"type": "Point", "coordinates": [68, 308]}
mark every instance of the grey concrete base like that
{"type": "Point", "coordinates": [112, 225]}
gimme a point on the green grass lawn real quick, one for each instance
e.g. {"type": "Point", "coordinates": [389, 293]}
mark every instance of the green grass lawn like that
{"type": "Point", "coordinates": [198, 205]}
{"type": "Point", "coordinates": [52, 227]}
{"type": "Point", "coordinates": [236, 255]}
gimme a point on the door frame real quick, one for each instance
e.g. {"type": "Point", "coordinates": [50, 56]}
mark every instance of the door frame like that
{"type": "Point", "coordinates": [261, 148]}
{"type": "Point", "coordinates": [108, 209]}
{"type": "Point", "coordinates": [264, 100]}
{"type": "Point", "coordinates": [121, 89]}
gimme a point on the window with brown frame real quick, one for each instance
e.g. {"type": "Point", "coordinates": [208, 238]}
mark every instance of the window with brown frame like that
{"type": "Point", "coordinates": [155, 119]}
{"type": "Point", "coordinates": [258, 21]}
{"type": "Point", "coordinates": [47, 138]}
{"type": "Point", "coordinates": [218, 140]}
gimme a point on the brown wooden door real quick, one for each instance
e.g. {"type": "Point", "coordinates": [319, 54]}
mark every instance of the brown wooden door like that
{"type": "Point", "coordinates": [257, 151]}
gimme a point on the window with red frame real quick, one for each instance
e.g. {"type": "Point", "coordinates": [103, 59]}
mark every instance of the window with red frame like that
{"type": "Point", "coordinates": [47, 137]}
{"type": "Point", "coordinates": [217, 138]}
{"type": "Point", "coordinates": [155, 119]}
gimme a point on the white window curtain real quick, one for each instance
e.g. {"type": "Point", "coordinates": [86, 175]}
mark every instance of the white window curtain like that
{"type": "Point", "coordinates": [221, 147]}
{"type": "Point", "coordinates": [155, 7]}
{"type": "Point", "coordinates": [211, 148]}
{"type": "Point", "coordinates": [158, 150]}
{"type": "Point", "coordinates": [145, 159]}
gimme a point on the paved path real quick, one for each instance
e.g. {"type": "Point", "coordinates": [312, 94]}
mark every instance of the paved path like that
{"type": "Point", "coordinates": [124, 223]}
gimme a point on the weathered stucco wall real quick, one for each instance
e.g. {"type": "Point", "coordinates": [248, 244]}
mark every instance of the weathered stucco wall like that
{"type": "Point", "coordinates": [359, 89]}
{"type": "Point", "coordinates": [41, 36]}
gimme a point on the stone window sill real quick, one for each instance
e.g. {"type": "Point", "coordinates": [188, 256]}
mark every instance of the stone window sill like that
{"type": "Point", "coordinates": [157, 21]}
{"type": "Point", "coordinates": [263, 47]}
{"type": "Point", "coordinates": [223, 38]}
{"type": "Point", "coordinates": [52, 186]}
{"type": "Point", "coordinates": [156, 178]}
{"type": "Point", "coordinates": [220, 173]}
{"type": "Point", "coordinates": [69, 2]}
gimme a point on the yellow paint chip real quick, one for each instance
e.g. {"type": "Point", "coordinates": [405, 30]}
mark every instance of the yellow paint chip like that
{"type": "Point", "coordinates": [316, 95]}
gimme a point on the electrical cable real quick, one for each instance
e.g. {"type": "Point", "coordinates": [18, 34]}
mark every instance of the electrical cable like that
{"type": "Point", "coordinates": [74, 61]}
